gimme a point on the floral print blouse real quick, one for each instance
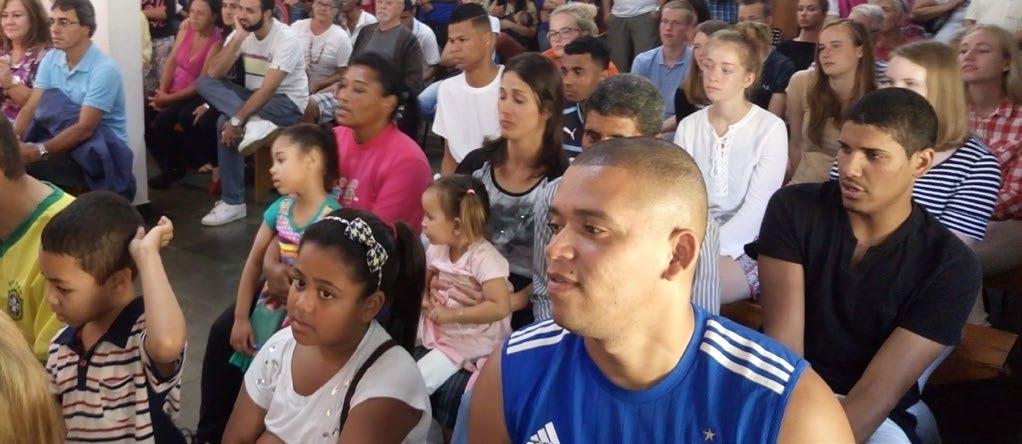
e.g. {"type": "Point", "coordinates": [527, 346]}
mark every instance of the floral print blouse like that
{"type": "Point", "coordinates": [22, 73]}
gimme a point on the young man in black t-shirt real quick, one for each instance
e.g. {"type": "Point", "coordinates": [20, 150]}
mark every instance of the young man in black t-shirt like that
{"type": "Point", "coordinates": [867, 285]}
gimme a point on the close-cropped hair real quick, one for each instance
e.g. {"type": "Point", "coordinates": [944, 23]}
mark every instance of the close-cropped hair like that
{"type": "Point", "coordinates": [584, 15]}
{"type": "Point", "coordinates": [309, 138]}
{"type": "Point", "coordinates": [38, 27]}
{"type": "Point", "coordinates": [943, 89]}
{"type": "Point", "coordinates": [593, 46]}
{"type": "Point", "coordinates": [900, 113]}
{"type": "Point", "coordinates": [95, 229]}
{"type": "Point", "coordinates": [874, 12]}
{"type": "Point", "coordinates": [660, 164]}
{"type": "Point", "coordinates": [631, 97]}
{"type": "Point", "coordinates": [464, 197]}
{"type": "Point", "coordinates": [682, 5]}
{"type": "Point", "coordinates": [83, 9]}
{"type": "Point", "coordinates": [30, 415]}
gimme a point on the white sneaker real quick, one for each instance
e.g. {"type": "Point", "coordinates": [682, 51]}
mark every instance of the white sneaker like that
{"type": "Point", "coordinates": [256, 130]}
{"type": "Point", "coordinates": [224, 213]}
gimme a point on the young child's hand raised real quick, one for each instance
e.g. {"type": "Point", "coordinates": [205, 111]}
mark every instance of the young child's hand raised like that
{"type": "Point", "coordinates": [151, 242]}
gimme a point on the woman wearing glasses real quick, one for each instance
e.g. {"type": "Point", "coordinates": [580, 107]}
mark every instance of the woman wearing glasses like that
{"type": "Point", "coordinates": [25, 38]}
{"type": "Point", "coordinates": [568, 23]}
{"type": "Point", "coordinates": [327, 49]}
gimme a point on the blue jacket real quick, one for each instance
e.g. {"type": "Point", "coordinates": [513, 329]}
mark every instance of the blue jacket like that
{"type": "Point", "coordinates": [105, 159]}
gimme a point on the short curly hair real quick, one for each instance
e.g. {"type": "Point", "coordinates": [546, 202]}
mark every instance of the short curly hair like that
{"type": "Point", "coordinates": [630, 96]}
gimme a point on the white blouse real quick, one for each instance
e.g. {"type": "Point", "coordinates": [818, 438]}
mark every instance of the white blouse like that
{"type": "Point", "coordinates": [742, 168]}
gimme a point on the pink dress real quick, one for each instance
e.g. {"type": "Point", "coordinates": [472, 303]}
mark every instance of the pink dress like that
{"type": "Point", "coordinates": [186, 70]}
{"type": "Point", "coordinates": [465, 344]}
{"type": "Point", "coordinates": [385, 176]}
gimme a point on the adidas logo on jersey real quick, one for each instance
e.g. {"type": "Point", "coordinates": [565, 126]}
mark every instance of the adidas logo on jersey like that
{"type": "Point", "coordinates": [546, 435]}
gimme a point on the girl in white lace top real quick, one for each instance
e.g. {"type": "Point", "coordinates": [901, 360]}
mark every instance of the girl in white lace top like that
{"type": "Point", "coordinates": [741, 150]}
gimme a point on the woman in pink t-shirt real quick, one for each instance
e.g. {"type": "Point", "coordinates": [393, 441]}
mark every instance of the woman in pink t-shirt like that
{"type": "Point", "coordinates": [382, 170]}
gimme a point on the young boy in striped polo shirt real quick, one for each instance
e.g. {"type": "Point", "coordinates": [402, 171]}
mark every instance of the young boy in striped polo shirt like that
{"type": "Point", "coordinates": [116, 367]}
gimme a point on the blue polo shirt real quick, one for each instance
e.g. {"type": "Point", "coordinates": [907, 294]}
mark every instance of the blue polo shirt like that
{"type": "Point", "coordinates": [95, 82]}
{"type": "Point", "coordinates": [650, 65]}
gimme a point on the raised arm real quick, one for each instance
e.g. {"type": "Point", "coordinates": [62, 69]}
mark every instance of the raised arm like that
{"type": "Point", "coordinates": [166, 331]}
{"type": "Point", "coordinates": [218, 66]}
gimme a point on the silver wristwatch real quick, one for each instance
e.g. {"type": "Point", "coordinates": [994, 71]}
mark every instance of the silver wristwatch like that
{"type": "Point", "coordinates": [236, 122]}
{"type": "Point", "coordinates": [44, 154]}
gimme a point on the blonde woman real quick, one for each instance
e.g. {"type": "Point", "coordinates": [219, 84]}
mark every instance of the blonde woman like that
{"type": "Point", "coordinates": [992, 70]}
{"type": "Point", "coordinates": [30, 415]}
{"type": "Point", "coordinates": [568, 23]}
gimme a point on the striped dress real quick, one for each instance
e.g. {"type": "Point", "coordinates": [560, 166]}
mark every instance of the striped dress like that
{"type": "Point", "coordinates": [961, 191]}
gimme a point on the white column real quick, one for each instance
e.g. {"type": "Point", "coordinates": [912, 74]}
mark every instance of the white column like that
{"type": "Point", "coordinates": [119, 35]}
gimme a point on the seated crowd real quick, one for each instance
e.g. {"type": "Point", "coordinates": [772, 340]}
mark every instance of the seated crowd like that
{"type": "Point", "coordinates": [611, 174]}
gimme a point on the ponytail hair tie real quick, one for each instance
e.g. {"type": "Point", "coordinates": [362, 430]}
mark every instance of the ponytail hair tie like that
{"type": "Point", "coordinates": [470, 191]}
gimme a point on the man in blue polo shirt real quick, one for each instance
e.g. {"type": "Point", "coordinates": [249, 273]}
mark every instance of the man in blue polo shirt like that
{"type": "Point", "coordinates": [89, 80]}
{"type": "Point", "coordinates": [668, 65]}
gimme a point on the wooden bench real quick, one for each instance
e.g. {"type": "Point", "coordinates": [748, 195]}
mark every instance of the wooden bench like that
{"type": "Point", "coordinates": [262, 159]}
{"type": "Point", "coordinates": [980, 355]}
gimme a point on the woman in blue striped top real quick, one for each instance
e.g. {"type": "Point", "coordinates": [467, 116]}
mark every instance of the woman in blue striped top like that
{"type": "Point", "coordinates": [961, 188]}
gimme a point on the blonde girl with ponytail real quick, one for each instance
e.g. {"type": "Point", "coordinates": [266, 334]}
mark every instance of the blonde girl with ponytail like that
{"type": "Point", "coordinates": [740, 148]}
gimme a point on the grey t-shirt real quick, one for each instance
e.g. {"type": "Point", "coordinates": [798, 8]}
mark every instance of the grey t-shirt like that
{"type": "Point", "coordinates": [383, 43]}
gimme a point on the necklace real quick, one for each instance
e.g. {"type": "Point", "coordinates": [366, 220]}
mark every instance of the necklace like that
{"type": "Point", "coordinates": [315, 60]}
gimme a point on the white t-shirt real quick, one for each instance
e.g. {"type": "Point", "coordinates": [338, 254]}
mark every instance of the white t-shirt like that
{"type": "Point", "coordinates": [427, 40]}
{"type": "Point", "coordinates": [467, 116]}
{"type": "Point", "coordinates": [296, 418]}
{"type": "Point", "coordinates": [1004, 13]}
{"type": "Point", "coordinates": [742, 169]}
{"type": "Point", "coordinates": [632, 8]}
{"type": "Point", "coordinates": [279, 50]}
{"type": "Point", "coordinates": [324, 53]}
{"type": "Point", "coordinates": [364, 19]}
{"type": "Point", "coordinates": [833, 8]}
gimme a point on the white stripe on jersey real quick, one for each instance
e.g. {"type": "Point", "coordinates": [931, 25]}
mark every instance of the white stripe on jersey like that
{"type": "Point", "coordinates": [531, 328]}
{"type": "Point", "coordinates": [735, 337]}
{"type": "Point", "coordinates": [535, 343]}
{"type": "Point", "coordinates": [712, 336]}
{"type": "Point", "coordinates": [747, 372]}
{"type": "Point", "coordinates": [536, 332]}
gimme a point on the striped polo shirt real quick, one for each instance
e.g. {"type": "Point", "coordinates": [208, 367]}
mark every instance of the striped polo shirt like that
{"type": "Point", "coordinates": [961, 191]}
{"type": "Point", "coordinates": [112, 393]}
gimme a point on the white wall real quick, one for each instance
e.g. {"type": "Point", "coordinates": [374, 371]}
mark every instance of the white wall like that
{"type": "Point", "coordinates": [119, 35]}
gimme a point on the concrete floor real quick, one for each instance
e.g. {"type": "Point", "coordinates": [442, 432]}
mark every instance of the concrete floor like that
{"type": "Point", "coordinates": [204, 263]}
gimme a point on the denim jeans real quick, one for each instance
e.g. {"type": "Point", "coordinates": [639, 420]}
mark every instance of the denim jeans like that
{"type": "Point", "coordinates": [227, 98]}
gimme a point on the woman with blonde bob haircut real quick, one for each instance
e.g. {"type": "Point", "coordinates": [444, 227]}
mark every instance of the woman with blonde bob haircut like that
{"type": "Point", "coordinates": [30, 415]}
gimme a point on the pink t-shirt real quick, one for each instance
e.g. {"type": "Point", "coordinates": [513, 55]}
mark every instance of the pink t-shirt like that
{"type": "Point", "coordinates": [385, 176]}
{"type": "Point", "coordinates": [466, 343]}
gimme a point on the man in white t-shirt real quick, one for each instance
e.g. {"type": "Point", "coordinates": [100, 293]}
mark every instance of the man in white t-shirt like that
{"type": "Point", "coordinates": [353, 18]}
{"type": "Point", "coordinates": [631, 28]}
{"type": "Point", "coordinates": [276, 92]}
{"type": "Point", "coordinates": [327, 49]}
{"type": "Point", "coordinates": [1004, 13]}
{"type": "Point", "coordinates": [427, 40]}
{"type": "Point", "coordinates": [466, 113]}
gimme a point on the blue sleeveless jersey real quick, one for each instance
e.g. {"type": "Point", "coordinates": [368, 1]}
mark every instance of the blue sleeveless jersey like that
{"type": "Point", "coordinates": [732, 385]}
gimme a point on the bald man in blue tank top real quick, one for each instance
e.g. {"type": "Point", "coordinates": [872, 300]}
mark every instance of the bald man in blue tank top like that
{"type": "Point", "coordinates": [627, 358]}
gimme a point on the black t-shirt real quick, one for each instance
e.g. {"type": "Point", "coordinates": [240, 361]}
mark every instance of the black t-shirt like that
{"type": "Point", "coordinates": [801, 54]}
{"type": "Point", "coordinates": [777, 71]}
{"type": "Point", "coordinates": [921, 278]}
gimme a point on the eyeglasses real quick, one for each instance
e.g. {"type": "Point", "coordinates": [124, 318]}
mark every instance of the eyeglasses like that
{"type": "Point", "coordinates": [564, 33]}
{"type": "Point", "coordinates": [62, 23]}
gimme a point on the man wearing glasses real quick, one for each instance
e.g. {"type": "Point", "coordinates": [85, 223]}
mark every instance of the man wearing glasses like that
{"type": "Point", "coordinates": [76, 79]}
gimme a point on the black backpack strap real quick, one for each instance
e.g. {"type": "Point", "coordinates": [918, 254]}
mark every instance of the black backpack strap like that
{"type": "Point", "coordinates": [361, 372]}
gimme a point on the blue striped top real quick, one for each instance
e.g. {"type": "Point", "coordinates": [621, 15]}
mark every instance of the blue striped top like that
{"type": "Point", "coordinates": [961, 191]}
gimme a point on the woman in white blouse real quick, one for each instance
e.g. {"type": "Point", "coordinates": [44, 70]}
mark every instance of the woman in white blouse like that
{"type": "Point", "coordinates": [741, 150]}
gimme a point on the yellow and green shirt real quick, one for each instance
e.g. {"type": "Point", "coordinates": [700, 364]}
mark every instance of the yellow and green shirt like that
{"type": "Point", "coordinates": [21, 285]}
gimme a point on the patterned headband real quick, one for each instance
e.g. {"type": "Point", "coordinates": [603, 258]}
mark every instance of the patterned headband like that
{"type": "Point", "coordinates": [359, 231]}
